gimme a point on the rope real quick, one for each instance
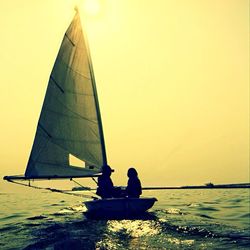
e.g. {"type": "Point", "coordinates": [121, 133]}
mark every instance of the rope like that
{"type": "Point", "coordinates": [53, 189]}
{"type": "Point", "coordinates": [78, 184]}
{"type": "Point", "coordinates": [94, 180]}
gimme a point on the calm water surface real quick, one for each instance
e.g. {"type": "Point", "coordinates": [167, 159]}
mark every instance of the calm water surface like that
{"type": "Point", "coordinates": [181, 219]}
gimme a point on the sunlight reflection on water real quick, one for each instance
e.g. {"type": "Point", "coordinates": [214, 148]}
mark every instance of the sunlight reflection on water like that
{"type": "Point", "coordinates": [180, 242]}
{"type": "Point", "coordinates": [134, 229]}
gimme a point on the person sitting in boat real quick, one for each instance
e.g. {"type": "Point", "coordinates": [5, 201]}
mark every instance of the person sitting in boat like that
{"type": "Point", "coordinates": [105, 187]}
{"type": "Point", "coordinates": [133, 189]}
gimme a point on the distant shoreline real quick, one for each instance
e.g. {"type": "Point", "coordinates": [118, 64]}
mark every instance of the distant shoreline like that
{"type": "Point", "coordinates": [206, 186]}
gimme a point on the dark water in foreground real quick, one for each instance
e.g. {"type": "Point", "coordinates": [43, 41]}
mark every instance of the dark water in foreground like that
{"type": "Point", "coordinates": [184, 219]}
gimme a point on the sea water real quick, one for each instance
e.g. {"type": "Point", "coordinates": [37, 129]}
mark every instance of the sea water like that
{"type": "Point", "coordinates": [180, 219]}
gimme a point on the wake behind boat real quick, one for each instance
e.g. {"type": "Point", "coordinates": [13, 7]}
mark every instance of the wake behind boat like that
{"type": "Point", "coordinates": [70, 125]}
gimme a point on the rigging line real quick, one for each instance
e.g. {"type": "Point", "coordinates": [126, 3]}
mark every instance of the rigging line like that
{"type": "Point", "coordinates": [94, 180]}
{"type": "Point", "coordinates": [77, 183]}
{"type": "Point", "coordinates": [53, 190]}
{"type": "Point", "coordinates": [84, 187]}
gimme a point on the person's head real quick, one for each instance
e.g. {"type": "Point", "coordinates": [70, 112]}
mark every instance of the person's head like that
{"type": "Point", "coordinates": [106, 170]}
{"type": "Point", "coordinates": [132, 173]}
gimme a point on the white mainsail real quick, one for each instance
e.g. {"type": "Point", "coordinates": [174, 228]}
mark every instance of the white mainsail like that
{"type": "Point", "coordinates": [70, 121]}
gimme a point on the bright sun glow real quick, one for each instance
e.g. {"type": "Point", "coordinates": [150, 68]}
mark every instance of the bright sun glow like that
{"type": "Point", "coordinates": [92, 7]}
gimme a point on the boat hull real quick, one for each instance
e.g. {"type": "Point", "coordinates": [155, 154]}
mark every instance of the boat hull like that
{"type": "Point", "coordinates": [121, 207]}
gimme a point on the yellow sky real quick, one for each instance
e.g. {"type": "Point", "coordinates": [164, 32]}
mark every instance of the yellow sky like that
{"type": "Point", "coordinates": [172, 79]}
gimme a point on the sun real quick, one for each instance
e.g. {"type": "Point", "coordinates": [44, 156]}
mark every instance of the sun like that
{"type": "Point", "coordinates": [92, 7]}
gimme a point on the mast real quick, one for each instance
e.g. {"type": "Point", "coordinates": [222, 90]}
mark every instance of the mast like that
{"type": "Point", "coordinates": [95, 93]}
{"type": "Point", "coordinates": [98, 112]}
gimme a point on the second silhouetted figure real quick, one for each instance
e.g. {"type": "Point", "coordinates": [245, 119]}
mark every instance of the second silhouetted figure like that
{"type": "Point", "coordinates": [133, 189]}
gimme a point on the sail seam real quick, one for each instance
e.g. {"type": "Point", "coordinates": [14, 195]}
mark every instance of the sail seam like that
{"type": "Point", "coordinates": [63, 105]}
{"type": "Point", "coordinates": [54, 81]}
{"type": "Point", "coordinates": [77, 93]}
{"type": "Point", "coordinates": [70, 116]}
{"type": "Point", "coordinates": [70, 140]}
{"type": "Point", "coordinates": [73, 44]}
{"type": "Point", "coordinates": [44, 130]}
{"type": "Point", "coordinates": [67, 91]}
{"type": "Point", "coordinates": [75, 71]}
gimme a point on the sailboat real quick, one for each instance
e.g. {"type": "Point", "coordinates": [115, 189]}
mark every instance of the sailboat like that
{"type": "Point", "coordinates": [70, 124]}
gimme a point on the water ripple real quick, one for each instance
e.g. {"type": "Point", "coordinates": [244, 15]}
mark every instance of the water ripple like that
{"type": "Point", "coordinates": [39, 217]}
{"type": "Point", "coordinates": [208, 208]}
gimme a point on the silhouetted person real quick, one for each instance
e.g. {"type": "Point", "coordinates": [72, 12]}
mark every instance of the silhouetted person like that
{"type": "Point", "coordinates": [105, 185]}
{"type": "Point", "coordinates": [134, 185]}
